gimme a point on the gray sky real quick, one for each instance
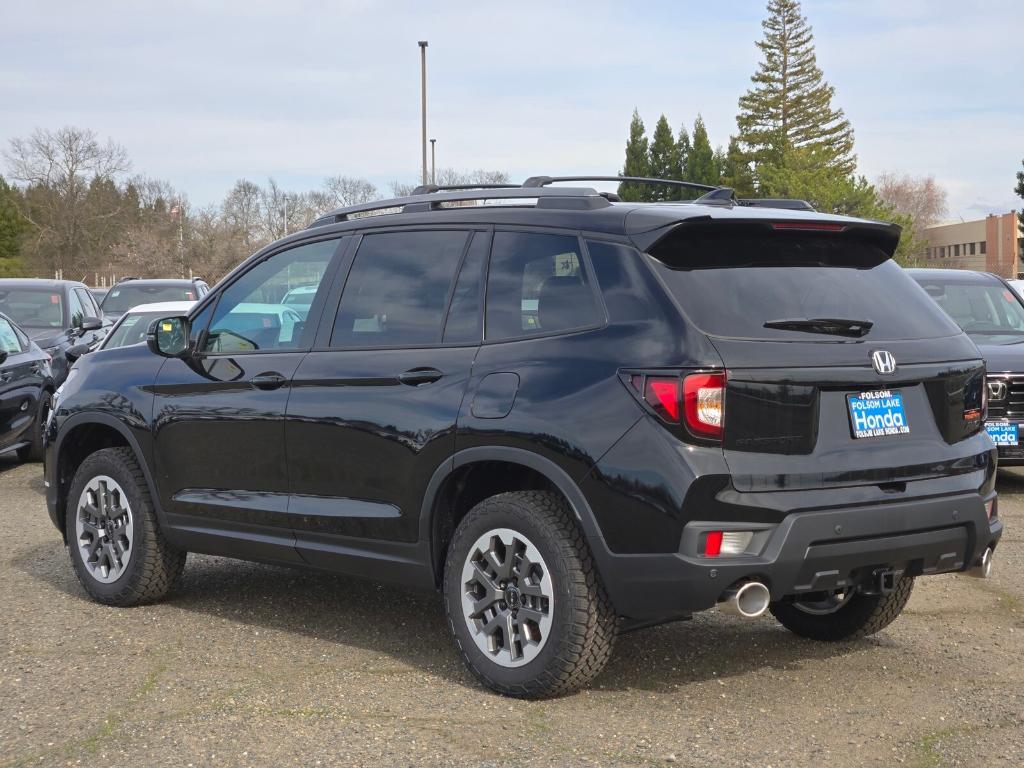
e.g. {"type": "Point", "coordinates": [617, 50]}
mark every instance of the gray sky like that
{"type": "Point", "coordinates": [202, 94]}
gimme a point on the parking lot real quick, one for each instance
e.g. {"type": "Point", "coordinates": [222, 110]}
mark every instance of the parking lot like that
{"type": "Point", "coordinates": [257, 665]}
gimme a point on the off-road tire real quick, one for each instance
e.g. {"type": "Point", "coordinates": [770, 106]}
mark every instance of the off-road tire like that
{"type": "Point", "coordinates": [154, 564]}
{"type": "Point", "coordinates": [34, 452]}
{"type": "Point", "coordinates": [583, 629]}
{"type": "Point", "coordinates": [863, 615]}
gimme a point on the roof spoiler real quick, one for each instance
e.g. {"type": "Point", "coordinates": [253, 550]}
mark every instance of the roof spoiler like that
{"type": "Point", "coordinates": [882, 235]}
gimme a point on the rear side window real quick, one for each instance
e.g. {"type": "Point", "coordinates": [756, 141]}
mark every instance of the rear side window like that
{"type": "Point", "coordinates": [538, 284]}
{"type": "Point", "coordinates": [733, 284]}
{"type": "Point", "coordinates": [398, 290]}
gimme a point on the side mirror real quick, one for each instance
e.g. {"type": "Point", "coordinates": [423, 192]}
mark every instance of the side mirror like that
{"type": "Point", "coordinates": [90, 324]}
{"type": "Point", "coordinates": [77, 351]}
{"type": "Point", "coordinates": [168, 337]}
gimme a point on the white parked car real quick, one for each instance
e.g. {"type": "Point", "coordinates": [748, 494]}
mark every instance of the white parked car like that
{"type": "Point", "coordinates": [132, 327]}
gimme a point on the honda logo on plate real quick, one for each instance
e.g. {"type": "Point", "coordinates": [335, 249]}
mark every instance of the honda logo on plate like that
{"type": "Point", "coordinates": [884, 362]}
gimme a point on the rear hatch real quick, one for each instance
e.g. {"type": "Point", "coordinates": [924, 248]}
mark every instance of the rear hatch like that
{"type": "Point", "coordinates": [840, 369]}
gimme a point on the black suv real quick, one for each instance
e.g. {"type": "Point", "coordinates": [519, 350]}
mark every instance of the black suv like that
{"type": "Point", "coordinates": [572, 415]}
{"type": "Point", "coordinates": [61, 316]}
{"type": "Point", "coordinates": [131, 291]}
{"type": "Point", "coordinates": [992, 314]}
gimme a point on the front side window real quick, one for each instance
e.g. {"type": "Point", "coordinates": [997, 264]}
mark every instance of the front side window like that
{"type": "Point", "coordinates": [537, 284]}
{"type": "Point", "coordinates": [88, 304]}
{"type": "Point", "coordinates": [398, 289]}
{"type": "Point", "coordinates": [75, 308]}
{"type": "Point", "coordinates": [9, 341]}
{"type": "Point", "coordinates": [251, 315]}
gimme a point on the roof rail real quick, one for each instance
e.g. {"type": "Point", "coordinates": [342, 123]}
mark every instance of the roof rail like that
{"type": "Point", "coordinates": [429, 189]}
{"type": "Point", "coordinates": [450, 198]}
{"type": "Point", "coordinates": [543, 181]}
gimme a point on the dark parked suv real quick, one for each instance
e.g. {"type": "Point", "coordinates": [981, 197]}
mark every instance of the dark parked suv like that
{"type": "Point", "coordinates": [572, 415]}
{"type": "Point", "coordinates": [992, 314]}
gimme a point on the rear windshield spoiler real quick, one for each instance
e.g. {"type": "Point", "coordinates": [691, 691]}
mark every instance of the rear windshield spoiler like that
{"type": "Point", "coordinates": [878, 234]}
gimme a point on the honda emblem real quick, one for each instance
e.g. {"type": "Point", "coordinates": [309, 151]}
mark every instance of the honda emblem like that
{"type": "Point", "coordinates": [884, 362]}
{"type": "Point", "coordinates": [997, 390]}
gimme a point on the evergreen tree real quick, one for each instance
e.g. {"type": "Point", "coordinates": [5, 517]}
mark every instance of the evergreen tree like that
{"type": "Point", "coordinates": [13, 229]}
{"type": "Point", "coordinates": [789, 105]}
{"type": "Point", "coordinates": [638, 161]}
{"type": "Point", "coordinates": [1019, 189]}
{"type": "Point", "coordinates": [736, 171]}
{"type": "Point", "coordinates": [683, 148]}
{"type": "Point", "coordinates": [664, 162]}
{"type": "Point", "coordinates": [701, 167]}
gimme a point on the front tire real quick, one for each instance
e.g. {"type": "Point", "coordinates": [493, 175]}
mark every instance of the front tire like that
{"type": "Point", "coordinates": [853, 615]}
{"type": "Point", "coordinates": [523, 597]}
{"type": "Point", "coordinates": [118, 551]}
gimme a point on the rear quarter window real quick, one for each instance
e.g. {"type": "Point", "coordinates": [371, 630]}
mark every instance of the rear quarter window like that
{"type": "Point", "coordinates": [731, 285]}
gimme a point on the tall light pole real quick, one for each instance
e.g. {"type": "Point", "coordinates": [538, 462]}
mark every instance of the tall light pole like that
{"type": "Point", "coordinates": [433, 162]}
{"type": "Point", "coordinates": [423, 101]}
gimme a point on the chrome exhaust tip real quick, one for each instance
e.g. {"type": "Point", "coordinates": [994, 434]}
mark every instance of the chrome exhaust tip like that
{"type": "Point", "coordinates": [983, 568]}
{"type": "Point", "coordinates": [748, 601]}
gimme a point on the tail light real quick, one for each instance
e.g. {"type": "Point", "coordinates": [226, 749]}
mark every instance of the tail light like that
{"type": "Point", "coordinates": [704, 404]}
{"type": "Point", "coordinates": [696, 401]}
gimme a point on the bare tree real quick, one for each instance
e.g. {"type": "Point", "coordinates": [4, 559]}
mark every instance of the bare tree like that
{"type": "Point", "coordinates": [347, 190]}
{"type": "Point", "coordinates": [919, 197]}
{"type": "Point", "coordinates": [68, 176]}
{"type": "Point", "coordinates": [453, 177]}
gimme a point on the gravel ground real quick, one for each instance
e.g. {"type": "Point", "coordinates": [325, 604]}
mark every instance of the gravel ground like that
{"type": "Point", "coordinates": [256, 665]}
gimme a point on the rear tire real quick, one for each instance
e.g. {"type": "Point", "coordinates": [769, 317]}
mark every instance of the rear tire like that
{"type": "Point", "coordinates": [523, 597]}
{"type": "Point", "coordinates": [118, 551]}
{"type": "Point", "coordinates": [859, 616]}
{"type": "Point", "coordinates": [34, 452]}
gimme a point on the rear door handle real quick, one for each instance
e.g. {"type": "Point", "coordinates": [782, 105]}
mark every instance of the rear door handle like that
{"type": "Point", "coordinates": [269, 380]}
{"type": "Point", "coordinates": [418, 376]}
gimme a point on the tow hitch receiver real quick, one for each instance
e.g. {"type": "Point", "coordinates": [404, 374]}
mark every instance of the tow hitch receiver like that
{"type": "Point", "coordinates": [883, 581]}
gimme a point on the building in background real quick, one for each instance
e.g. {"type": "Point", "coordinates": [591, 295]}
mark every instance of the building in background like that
{"type": "Point", "coordinates": [992, 244]}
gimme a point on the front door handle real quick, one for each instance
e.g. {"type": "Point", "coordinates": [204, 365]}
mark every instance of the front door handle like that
{"type": "Point", "coordinates": [270, 380]}
{"type": "Point", "coordinates": [418, 376]}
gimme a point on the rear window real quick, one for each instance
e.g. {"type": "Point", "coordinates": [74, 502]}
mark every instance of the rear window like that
{"type": "Point", "coordinates": [121, 298]}
{"type": "Point", "coordinates": [732, 285]}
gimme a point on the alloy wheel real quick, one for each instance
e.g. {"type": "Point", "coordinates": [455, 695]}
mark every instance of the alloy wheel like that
{"type": "Point", "coordinates": [104, 529]}
{"type": "Point", "coordinates": [507, 597]}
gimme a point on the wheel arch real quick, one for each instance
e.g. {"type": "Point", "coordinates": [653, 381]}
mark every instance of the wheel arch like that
{"type": "Point", "coordinates": [82, 435]}
{"type": "Point", "coordinates": [473, 474]}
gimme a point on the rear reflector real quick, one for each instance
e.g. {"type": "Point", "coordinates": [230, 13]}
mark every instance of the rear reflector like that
{"type": "Point", "coordinates": [713, 544]}
{"type": "Point", "coordinates": [726, 543]}
{"type": "Point", "coordinates": [990, 508]}
{"type": "Point", "coordinates": [662, 394]}
{"type": "Point", "coordinates": [704, 403]}
{"type": "Point", "coordinates": [814, 226]}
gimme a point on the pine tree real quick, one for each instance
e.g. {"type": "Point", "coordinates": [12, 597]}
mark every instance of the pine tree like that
{"type": "Point", "coordinates": [683, 148]}
{"type": "Point", "coordinates": [664, 161]}
{"type": "Point", "coordinates": [1019, 189]}
{"type": "Point", "coordinates": [638, 161]}
{"type": "Point", "coordinates": [701, 167]}
{"type": "Point", "coordinates": [736, 171]}
{"type": "Point", "coordinates": [13, 228]}
{"type": "Point", "coordinates": [789, 105]}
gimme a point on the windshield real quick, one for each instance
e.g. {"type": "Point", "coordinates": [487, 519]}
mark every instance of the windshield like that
{"type": "Point", "coordinates": [123, 297]}
{"type": "Point", "coordinates": [989, 312]}
{"type": "Point", "coordinates": [132, 329]}
{"type": "Point", "coordinates": [300, 297]}
{"type": "Point", "coordinates": [33, 307]}
{"type": "Point", "coordinates": [796, 287]}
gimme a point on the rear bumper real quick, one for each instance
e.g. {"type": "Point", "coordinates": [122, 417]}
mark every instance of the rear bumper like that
{"type": "Point", "coordinates": [805, 552]}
